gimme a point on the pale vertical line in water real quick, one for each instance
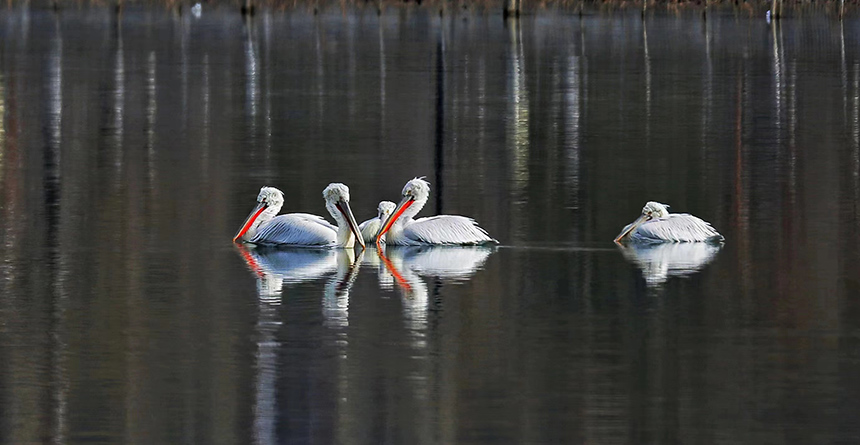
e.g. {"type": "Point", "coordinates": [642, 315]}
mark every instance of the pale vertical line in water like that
{"type": "Point", "coordinates": [778, 81]}
{"type": "Point", "coordinates": [335, 310]}
{"type": "Point", "coordinates": [845, 98]}
{"type": "Point", "coordinates": [184, 29]}
{"type": "Point", "coordinates": [119, 101]}
{"type": "Point", "coordinates": [707, 106]}
{"type": "Point", "coordinates": [252, 83]}
{"type": "Point", "coordinates": [53, 170]}
{"type": "Point", "coordinates": [267, 94]}
{"type": "Point", "coordinates": [792, 129]}
{"type": "Point", "coordinates": [151, 109]}
{"type": "Point", "coordinates": [265, 402]}
{"type": "Point", "coordinates": [844, 72]}
{"type": "Point", "coordinates": [481, 113]}
{"type": "Point", "coordinates": [572, 101]}
{"type": "Point", "coordinates": [518, 127]}
{"type": "Point", "coordinates": [2, 125]}
{"type": "Point", "coordinates": [207, 115]}
{"type": "Point", "coordinates": [856, 137]}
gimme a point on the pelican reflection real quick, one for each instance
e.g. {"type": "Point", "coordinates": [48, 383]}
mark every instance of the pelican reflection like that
{"type": "Point", "coordinates": [408, 264]}
{"type": "Point", "coordinates": [276, 267]}
{"type": "Point", "coordinates": [658, 262]}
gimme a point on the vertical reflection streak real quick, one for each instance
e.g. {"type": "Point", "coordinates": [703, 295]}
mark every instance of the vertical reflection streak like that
{"type": "Point", "coordinates": [207, 116]}
{"type": "Point", "coordinates": [856, 138]}
{"type": "Point", "coordinates": [2, 129]}
{"type": "Point", "coordinates": [267, 32]}
{"type": "Point", "coordinates": [777, 77]}
{"type": "Point", "coordinates": [573, 85]}
{"type": "Point", "coordinates": [184, 31]}
{"type": "Point", "coordinates": [517, 127]}
{"type": "Point", "coordinates": [792, 134]}
{"type": "Point", "coordinates": [266, 360]}
{"type": "Point", "coordinates": [252, 84]}
{"type": "Point", "coordinates": [119, 101]}
{"type": "Point", "coordinates": [844, 72]}
{"type": "Point", "coordinates": [151, 109]}
{"type": "Point", "coordinates": [707, 101]}
{"type": "Point", "coordinates": [52, 184]}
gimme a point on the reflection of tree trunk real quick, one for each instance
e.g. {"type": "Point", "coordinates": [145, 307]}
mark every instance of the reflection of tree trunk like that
{"type": "Point", "coordinates": [517, 129]}
{"type": "Point", "coordinates": [59, 383]}
{"type": "Point", "coordinates": [512, 9]}
{"type": "Point", "coordinates": [248, 7]}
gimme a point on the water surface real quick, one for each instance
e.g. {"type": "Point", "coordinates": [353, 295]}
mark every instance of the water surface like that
{"type": "Point", "coordinates": [132, 147]}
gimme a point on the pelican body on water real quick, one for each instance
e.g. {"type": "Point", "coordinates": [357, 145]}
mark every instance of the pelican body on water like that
{"type": "Point", "coordinates": [301, 229]}
{"type": "Point", "coordinates": [401, 229]}
{"type": "Point", "coordinates": [657, 225]}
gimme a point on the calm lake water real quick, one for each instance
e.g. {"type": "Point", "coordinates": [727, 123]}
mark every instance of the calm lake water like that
{"type": "Point", "coordinates": [132, 148]}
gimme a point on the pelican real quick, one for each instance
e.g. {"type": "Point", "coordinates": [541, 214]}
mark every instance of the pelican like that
{"type": "Point", "coordinates": [301, 229]}
{"type": "Point", "coordinates": [370, 228]}
{"type": "Point", "coordinates": [401, 229]}
{"type": "Point", "coordinates": [656, 225]}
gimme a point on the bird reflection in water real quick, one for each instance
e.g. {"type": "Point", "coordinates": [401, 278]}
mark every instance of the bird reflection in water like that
{"type": "Point", "coordinates": [274, 268]}
{"type": "Point", "coordinates": [408, 264]}
{"type": "Point", "coordinates": [660, 261]}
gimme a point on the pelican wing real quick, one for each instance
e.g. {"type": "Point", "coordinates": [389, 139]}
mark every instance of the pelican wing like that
{"type": "Point", "coordinates": [446, 229]}
{"type": "Point", "coordinates": [369, 229]}
{"type": "Point", "coordinates": [677, 227]}
{"type": "Point", "coordinates": [298, 229]}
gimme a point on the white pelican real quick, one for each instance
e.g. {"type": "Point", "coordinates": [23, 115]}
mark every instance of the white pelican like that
{"type": "Point", "coordinates": [401, 229]}
{"type": "Point", "coordinates": [657, 225]}
{"type": "Point", "coordinates": [370, 228]}
{"type": "Point", "coordinates": [301, 229]}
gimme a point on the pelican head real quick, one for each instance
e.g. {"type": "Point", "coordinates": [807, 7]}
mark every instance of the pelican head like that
{"type": "Point", "coordinates": [652, 210]}
{"type": "Point", "coordinates": [336, 197]}
{"type": "Point", "coordinates": [269, 202]}
{"type": "Point", "coordinates": [416, 190]}
{"type": "Point", "coordinates": [384, 209]}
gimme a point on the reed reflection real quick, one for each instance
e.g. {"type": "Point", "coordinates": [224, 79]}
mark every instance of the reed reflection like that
{"type": "Point", "coordinates": [661, 261]}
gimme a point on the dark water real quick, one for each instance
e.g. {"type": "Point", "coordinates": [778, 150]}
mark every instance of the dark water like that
{"type": "Point", "coordinates": [131, 149]}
